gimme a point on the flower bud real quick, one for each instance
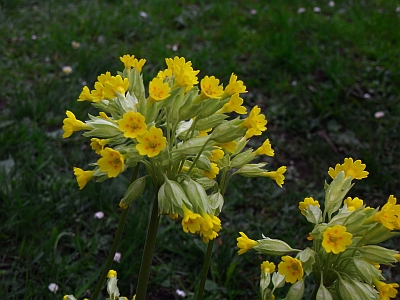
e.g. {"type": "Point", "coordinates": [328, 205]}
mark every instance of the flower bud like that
{"type": "Point", "coordinates": [216, 202]}
{"type": "Point", "coordinates": [133, 192]}
{"type": "Point", "coordinates": [307, 258]}
{"type": "Point", "coordinates": [210, 122]}
{"type": "Point", "coordinates": [188, 110]}
{"type": "Point", "coordinates": [227, 131]}
{"type": "Point", "coordinates": [347, 291]}
{"type": "Point", "coordinates": [313, 214]}
{"type": "Point", "coordinates": [251, 170]}
{"type": "Point", "coordinates": [296, 291]}
{"type": "Point", "coordinates": [378, 233]}
{"type": "Point", "coordinates": [378, 254]}
{"type": "Point", "coordinates": [193, 146]}
{"type": "Point", "coordinates": [365, 290]}
{"type": "Point", "coordinates": [171, 197]}
{"type": "Point", "coordinates": [203, 163]}
{"type": "Point", "coordinates": [102, 128]}
{"type": "Point", "coordinates": [335, 192]}
{"type": "Point", "coordinates": [243, 158]}
{"type": "Point", "coordinates": [197, 195]}
{"type": "Point", "coordinates": [270, 246]}
{"type": "Point", "coordinates": [278, 280]}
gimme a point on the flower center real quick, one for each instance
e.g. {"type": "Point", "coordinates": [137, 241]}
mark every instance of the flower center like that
{"type": "Point", "coordinates": [333, 238]}
{"type": "Point", "coordinates": [295, 267]}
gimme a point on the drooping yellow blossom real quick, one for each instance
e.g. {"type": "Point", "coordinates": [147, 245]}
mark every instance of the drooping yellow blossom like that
{"type": "Point", "coordinates": [216, 155]}
{"type": "Point", "coordinates": [114, 86]}
{"type": "Point", "coordinates": [158, 89]}
{"type": "Point", "coordinates": [234, 86]}
{"type": "Point", "coordinates": [191, 222]}
{"type": "Point", "coordinates": [265, 149]}
{"type": "Point", "coordinates": [103, 115]}
{"type": "Point", "coordinates": [152, 142]}
{"type": "Point", "coordinates": [112, 274]}
{"type": "Point", "coordinates": [85, 95]}
{"type": "Point", "coordinates": [71, 124]}
{"type": "Point", "coordinates": [98, 144]}
{"type": "Point", "coordinates": [336, 238]}
{"type": "Point", "coordinates": [255, 123]}
{"type": "Point", "coordinates": [389, 215]}
{"type": "Point", "coordinates": [350, 168]}
{"type": "Point", "coordinates": [204, 132]}
{"type": "Point", "coordinates": [130, 61]}
{"type": "Point", "coordinates": [291, 268]}
{"type": "Point", "coordinates": [210, 228]}
{"type": "Point", "coordinates": [234, 104]}
{"type": "Point", "coordinates": [210, 88]}
{"type": "Point", "coordinates": [386, 290]}
{"type": "Point", "coordinates": [229, 146]}
{"type": "Point", "coordinates": [303, 205]}
{"type": "Point", "coordinates": [82, 177]}
{"type": "Point", "coordinates": [267, 267]}
{"type": "Point", "coordinates": [111, 162]}
{"type": "Point", "coordinates": [213, 172]}
{"type": "Point", "coordinates": [353, 203]}
{"type": "Point", "coordinates": [245, 244]}
{"type": "Point", "coordinates": [132, 124]}
{"type": "Point", "coordinates": [276, 175]}
{"type": "Point", "coordinates": [98, 93]}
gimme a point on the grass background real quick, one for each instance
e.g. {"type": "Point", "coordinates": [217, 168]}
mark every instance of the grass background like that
{"type": "Point", "coordinates": [318, 76]}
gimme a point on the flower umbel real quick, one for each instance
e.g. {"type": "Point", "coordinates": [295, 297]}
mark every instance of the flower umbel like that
{"type": "Point", "coordinates": [336, 238]}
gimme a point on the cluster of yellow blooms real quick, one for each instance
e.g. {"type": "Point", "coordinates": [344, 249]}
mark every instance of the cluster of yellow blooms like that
{"type": "Point", "coordinates": [181, 132]}
{"type": "Point", "coordinates": [344, 258]}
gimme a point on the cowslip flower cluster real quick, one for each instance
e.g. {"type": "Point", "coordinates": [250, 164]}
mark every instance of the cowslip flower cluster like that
{"type": "Point", "coordinates": [187, 133]}
{"type": "Point", "coordinates": [344, 258]}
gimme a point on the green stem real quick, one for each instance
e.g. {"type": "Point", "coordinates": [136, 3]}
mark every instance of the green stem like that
{"type": "Point", "coordinates": [204, 271]}
{"type": "Point", "coordinates": [144, 273]}
{"type": "Point", "coordinates": [314, 292]}
{"type": "Point", "coordinates": [115, 244]}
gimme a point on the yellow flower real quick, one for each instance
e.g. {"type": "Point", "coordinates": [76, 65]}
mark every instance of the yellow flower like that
{"type": "Point", "coordinates": [111, 274]}
{"type": "Point", "coordinates": [276, 175]}
{"type": "Point", "coordinates": [83, 177]}
{"type": "Point", "coordinates": [114, 86]}
{"type": "Point", "coordinates": [210, 88]}
{"type": "Point", "coordinates": [336, 238]}
{"type": "Point", "coordinates": [234, 104]}
{"type": "Point", "coordinates": [234, 86]}
{"type": "Point", "coordinates": [350, 168]}
{"type": "Point", "coordinates": [386, 290]}
{"type": "Point", "coordinates": [389, 215]}
{"type": "Point", "coordinates": [268, 267]}
{"type": "Point", "coordinates": [216, 155]}
{"type": "Point", "coordinates": [97, 144]}
{"type": "Point", "coordinates": [255, 123]}
{"type": "Point", "coordinates": [98, 93]}
{"type": "Point", "coordinates": [185, 76]}
{"type": "Point", "coordinates": [132, 124]}
{"type": "Point", "coordinates": [158, 89]}
{"type": "Point", "coordinates": [291, 268]}
{"type": "Point", "coordinates": [191, 221]}
{"type": "Point", "coordinates": [85, 94]}
{"type": "Point", "coordinates": [307, 201]}
{"type": "Point", "coordinates": [71, 124]}
{"type": "Point", "coordinates": [210, 228]}
{"type": "Point", "coordinates": [229, 146]}
{"type": "Point", "coordinates": [103, 78]}
{"type": "Point", "coordinates": [164, 74]}
{"type": "Point", "coordinates": [130, 61]}
{"type": "Point", "coordinates": [245, 244]}
{"type": "Point", "coordinates": [152, 142]}
{"type": "Point", "coordinates": [103, 115]}
{"type": "Point", "coordinates": [265, 149]}
{"type": "Point", "coordinates": [204, 132]}
{"type": "Point", "coordinates": [213, 172]}
{"type": "Point", "coordinates": [111, 162]}
{"type": "Point", "coordinates": [353, 204]}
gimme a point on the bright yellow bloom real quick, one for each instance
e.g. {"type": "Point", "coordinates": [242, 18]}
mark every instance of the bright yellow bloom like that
{"type": "Point", "coordinates": [111, 162]}
{"type": "Point", "coordinates": [130, 61]}
{"type": "Point", "coordinates": [85, 94]}
{"type": "Point", "coordinates": [213, 172]}
{"type": "Point", "coordinates": [389, 215]}
{"type": "Point", "coordinates": [114, 86]}
{"type": "Point", "coordinates": [71, 124]}
{"type": "Point", "coordinates": [350, 168]}
{"type": "Point", "coordinates": [132, 124]}
{"type": "Point", "coordinates": [97, 144]}
{"type": "Point", "coordinates": [353, 204]}
{"type": "Point", "coordinates": [216, 155]}
{"type": "Point", "coordinates": [245, 244]}
{"type": "Point", "coordinates": [210, 88]}
{"type": "Point", "coordinates": [112, 274]}
{"type": "Point", "coordinates": [229, 146]}
{"type": "Point", "coordinates": [98, 93]}
{"type": "Point", "coordinates": [276, 175]}
{"type": "Point", "coordinates": [152, 142]}
{"type": "Point", "coordinates": [83, 177]}
{"type": "Point", "coordinates": [103, 78]}
{"type": "Point", "coordinates": [184, 74]}
{"type": "Point", "coordinates": [265, 149]}
{"type": "Point", "coordinates": [191, 222]}
{"type": "Point", "coordinates": [164, 74]}
{"type": "Point", "coordinates": [210, 228]}
{"type": "Point", "coordinates": [291, 268]}
{"type": "Point", "coordinates": [268, 267]}
{"type": "Point", "coordinates": [255, 123]}
{"type": "Point", "coordinates": [204, 132]}
{"type": "Point", "coordinates": [158, 89]}
{"type": "Point", "coordinates": [386, 290]}
{"type": "Point", "coordinates": [307, 201]}
{"type": "Point", "coordinates": [234, 104]}
{"type": "Point", "coordinates": [336, 238]}
{"type": "Point", "coordinates": [234, 86]}
{"type": "Point", "coordinates": [103, 115]}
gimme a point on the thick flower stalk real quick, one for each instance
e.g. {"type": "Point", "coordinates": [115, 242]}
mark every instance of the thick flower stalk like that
{"type": "Point", "coordinates": [181, 131]}
{"type": "Point", "coordinates": [344, 257]}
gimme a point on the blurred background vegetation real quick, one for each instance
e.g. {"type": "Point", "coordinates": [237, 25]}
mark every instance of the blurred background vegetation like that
{"type": "Point", "coordinates": [326, 75]}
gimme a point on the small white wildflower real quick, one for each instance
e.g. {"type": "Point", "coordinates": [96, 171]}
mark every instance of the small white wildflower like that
{"type": "Point", "coordinates": [294, 82]}
{"type": "Point", "coordinates": [367, 96]}
{"type": "Point", "coordinates": [301, 10]}
{"type": "Point", "coordinates": [180, 293]}
{"type": "Point", "coordinates": [117, 257]}
{"type": "Point", "coordinates": [75, 44]}
{"type": "Point", "coordinates": [99, 215]}
{"type": "Point", "coordinates": [53, 287]}
{"type": "Point", "coordinates": [33, 37]}
{"type": "Point", "coordinates": [398, 9]}
{"type": "Point", "coordinates": [143, 14]}
{"type": "Point", "coordinates": [253, 11]}
{"type": "Point", "coordinates": [175, 47]}
{"type": "Point", "coordinates": [317, 9]}
{"type": "Point", "coordinates": [84, 82]}
{"type": "Point", "coordinates": [331, 3]}
{"type": "Point", "coordinates": [67, 70]}
{"type": "Point", "coordinates": [379, 114]}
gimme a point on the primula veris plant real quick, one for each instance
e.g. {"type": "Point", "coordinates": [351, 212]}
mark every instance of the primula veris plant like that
{"type": "Point", "coordinates": [188, 136]}
{"type": "Point", "coordinates": [344, 257]}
